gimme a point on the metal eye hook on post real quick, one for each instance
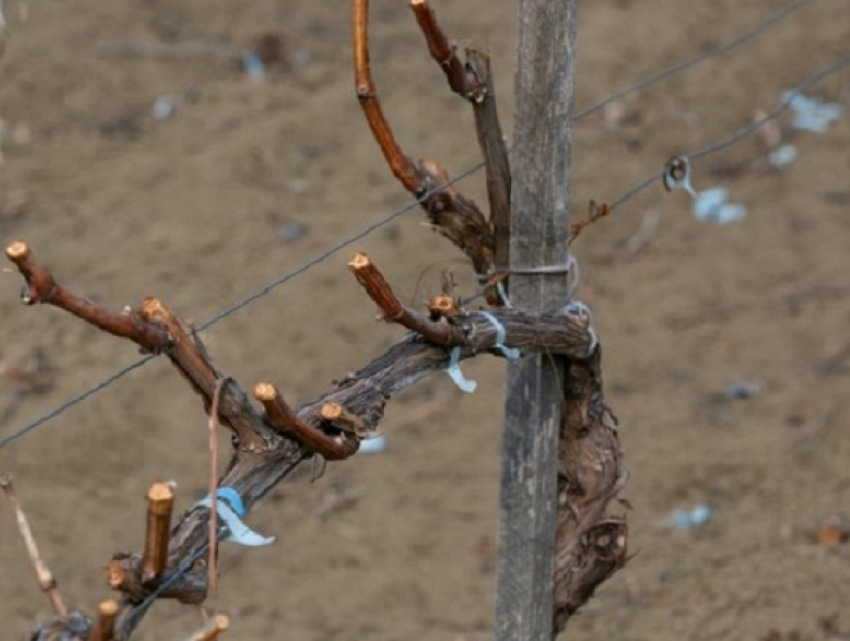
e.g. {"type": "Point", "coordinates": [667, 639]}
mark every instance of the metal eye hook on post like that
{"type": "Point", "coordinates": [677, 175]}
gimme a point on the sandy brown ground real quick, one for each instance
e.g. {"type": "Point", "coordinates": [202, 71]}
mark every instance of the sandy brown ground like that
{"type": "Point", "coordinates": [401, 545]}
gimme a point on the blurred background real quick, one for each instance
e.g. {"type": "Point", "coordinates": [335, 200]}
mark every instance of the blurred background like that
{"type": "Point", "coordinates": [197, 150]}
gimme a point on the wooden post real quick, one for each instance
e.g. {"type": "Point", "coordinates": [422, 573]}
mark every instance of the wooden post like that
{"type": "Point", "coordinates": [538, 280]}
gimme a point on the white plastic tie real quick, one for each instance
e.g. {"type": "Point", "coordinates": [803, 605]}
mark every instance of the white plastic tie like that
{"type": "Point", "coordinates": [230, 509]}
{"type": "Point", "coordinates": [811, 114]}
{"type": "Point", "coordinates": [503, 294]}
{"type": "Point", "coordinates": [456, 375]}
{"type": "Point", "coordinates": [783, 155]}
{"type": "Point", "coordinates": [577, 308]}
{"type": "Point", "coordinates": [511, 353]}
{"type": "Point", "coordinates": [373, 445]}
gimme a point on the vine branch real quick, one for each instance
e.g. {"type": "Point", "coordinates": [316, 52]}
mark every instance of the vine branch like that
{"type": "Point", "coordinates": [376, 286]}
{"type": "Point", "coordinates": [269, 446]}
{"type": "Point", "coordinates": [473, 81]}
{"type": "Point", "coordinates": [453, 215]}
{"type": "Point", "coordinates": [269, 443]}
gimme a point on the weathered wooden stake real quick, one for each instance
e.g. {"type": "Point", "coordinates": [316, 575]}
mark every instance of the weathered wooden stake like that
{"type": "Point", "coordinates": [538, 280]}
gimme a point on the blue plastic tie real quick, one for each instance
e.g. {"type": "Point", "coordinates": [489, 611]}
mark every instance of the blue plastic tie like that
{"type": "Point", "coordinates": [811, 114]}
{"type": "Point", "coordinates": [252, 65]}
{"type": "Point", "coordinates": [231, 509]}
{"type": "Point", "coordinates": [456, 375]}
{"type": "Point", "coordinates": [373, 445]}
{"type": "Point", "coordinates": [500, 287]}
{"type": "Point", "coordinates": [233, 499]}
{"type": "Point", "coordinates": [511, 353]}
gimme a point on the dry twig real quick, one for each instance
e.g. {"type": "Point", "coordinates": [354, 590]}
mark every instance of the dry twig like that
{"type": "Point", "coordinates": [43, 575]}
{"type": "Point", "coordinates": [595, 212]}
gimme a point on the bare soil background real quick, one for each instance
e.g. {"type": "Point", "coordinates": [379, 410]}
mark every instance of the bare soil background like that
{"type": "Point", "coordinates": [401, 545]}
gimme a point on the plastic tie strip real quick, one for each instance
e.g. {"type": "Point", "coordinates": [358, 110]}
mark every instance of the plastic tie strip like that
{"type": "Point", "coordinates": [511, 353]}
{"type": "Point", "coordinates": [230, 509]}
{"type": "Point", "coordinates": [456, 375]}
{"type": "Point", "coordinates": [577, 308]}
{"type": "Point", "coordinates": [500, 288]}
{"type": "Point", "coordinates": [811, 114]}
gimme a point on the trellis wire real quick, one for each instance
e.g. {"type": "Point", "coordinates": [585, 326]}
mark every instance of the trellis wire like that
{"type": "Point", "coordinates": [742, 133]}
{"type": "Point", "coordinates": [75, 400]}
{"type": "Point", "coordinates": [727, 45]}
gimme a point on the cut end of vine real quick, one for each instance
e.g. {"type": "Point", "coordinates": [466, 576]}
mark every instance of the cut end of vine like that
{"type": "Point", "coordinates": [17, 251]}
{"type": "Point", "coordinates": [265, 391]}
